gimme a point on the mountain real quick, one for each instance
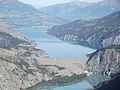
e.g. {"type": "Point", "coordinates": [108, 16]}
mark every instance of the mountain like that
{"type": "Point", "coordinates": [82, 10]}
{"type": "Point", "coordinates": [106, 62]}
{"type": "Point", "coordinates": [17, 14]}
{"type": "Point", "coordinates": [15, 67]}
{"type": "Point", "coordinates": [95, 33]}
{"type": "Point", "coordinates": [23, 66]}
{"type": "Point", "coordinates": [15, 5]}
{"type": "Point", "coordinates": [11, 38]}
{"type": "Point", "coordinates": [69, 11]}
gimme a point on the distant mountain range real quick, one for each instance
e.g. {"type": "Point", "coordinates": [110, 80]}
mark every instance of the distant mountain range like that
{"type": "Point", "coordinates": [17, 14]}
{"type": "Point", "coordinates": [96, 33]}
{"type": "Point", "coordinates": [15, 5]}
{"type": "Point", "coordinates": [82, 10]}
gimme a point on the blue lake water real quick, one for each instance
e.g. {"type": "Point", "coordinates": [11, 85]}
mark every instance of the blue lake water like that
{"type": "Point", "coordinates": [58, 49]}
{"type": "Point", "coordinates": [55, 47]}
{"type": "Point", "coordinates": [79, 86]}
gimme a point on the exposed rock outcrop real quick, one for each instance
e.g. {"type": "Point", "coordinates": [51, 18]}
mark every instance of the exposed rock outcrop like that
{"type": "Point", "coordinates": [114, 40]}
{"type": "Point", "coordinates": [105, 61]}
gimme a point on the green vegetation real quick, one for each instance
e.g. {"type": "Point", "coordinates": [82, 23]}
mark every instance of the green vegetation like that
{"type": "Point", "coordinates": [61, 81]}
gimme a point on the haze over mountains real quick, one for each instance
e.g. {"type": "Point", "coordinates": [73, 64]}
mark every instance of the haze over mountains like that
{"type": "Point", "coordinates": [82, 10]}
{"type": "Point", "coordinates": [22, 65]}
{"type": "Point", "coordinates": [17, 14]}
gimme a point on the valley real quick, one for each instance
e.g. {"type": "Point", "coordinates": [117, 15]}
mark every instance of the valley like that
{"type": "Point", "coordinates": [65, 46]}
{"type": "Point", "coordinates": [27, 66]}
{"type": "Point", "coordinates": [95, 33]}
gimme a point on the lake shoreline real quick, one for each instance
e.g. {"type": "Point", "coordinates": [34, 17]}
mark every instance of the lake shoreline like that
{"type": "Point", "coordinates": [60, 81]}
{"type": "Point", "coordinates": [69, 72]}
{"type": "Point", "coordinates": [60, 49]}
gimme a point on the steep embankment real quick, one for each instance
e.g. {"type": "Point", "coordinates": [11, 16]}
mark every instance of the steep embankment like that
{"type": "Point", "coordinates": [96, 33]}
{"type": "Point", "coordinates": [106, 62]}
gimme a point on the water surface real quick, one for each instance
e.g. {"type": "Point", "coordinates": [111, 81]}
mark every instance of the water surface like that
{"type": "Point", "coordinates": [55, 47]}
{"type": "Point", "coordinates": [79, 86]}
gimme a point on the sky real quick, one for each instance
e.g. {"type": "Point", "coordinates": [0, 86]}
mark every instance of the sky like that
{"type": "Point", "coordinates": [41, 3]}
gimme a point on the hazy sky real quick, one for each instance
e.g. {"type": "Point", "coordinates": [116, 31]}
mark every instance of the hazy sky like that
{"type": "Point", "coordinates": [40, 3]}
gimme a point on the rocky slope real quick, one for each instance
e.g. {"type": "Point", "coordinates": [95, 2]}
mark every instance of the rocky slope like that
{"type": "Point", "coordinates": [18, 71]}
{"type": "Point", "coordinates": [105, 61]}
{"type": "Point", "coordinates": [17, 14]}
{"type": "Point", "coordinates": [95, 33]}
{"type": "Point", "coordinates": [11, 38]}
{"type": "Point", "coordinates": [25, 67]}
{"type": "Point", "coordinates": [82, 10]}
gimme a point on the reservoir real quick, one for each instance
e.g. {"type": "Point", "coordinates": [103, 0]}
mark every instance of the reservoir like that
{"type": "Point", "coordinates": [55, 47]}
{"type": "Point", "coordinates": [58, 49]}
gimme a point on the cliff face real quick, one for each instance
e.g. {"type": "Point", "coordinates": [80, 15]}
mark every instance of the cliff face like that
{"type": "Point", "coordinates": [114, 40]}
{"type": "Point", "coordinates": [105, 61]}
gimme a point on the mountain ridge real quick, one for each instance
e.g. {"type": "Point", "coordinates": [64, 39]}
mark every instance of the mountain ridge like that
{"type": "Point", "coordinates": [17, 14]}
{"type": "Point", "coordinates": [94, 32]}
{"type": "Point", "coordinates": [72, 12]}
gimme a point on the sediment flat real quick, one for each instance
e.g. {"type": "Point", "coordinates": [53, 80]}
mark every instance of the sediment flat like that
{"type": "Point", "coordinates": [71, 65]}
